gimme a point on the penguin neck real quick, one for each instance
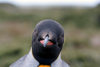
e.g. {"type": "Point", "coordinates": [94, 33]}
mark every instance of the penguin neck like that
{"type": "Point", "coordinates": [45, 56]}
{"type": "Point", "coordinates": [55, 62]}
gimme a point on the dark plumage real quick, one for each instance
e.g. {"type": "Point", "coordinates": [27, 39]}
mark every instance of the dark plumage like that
{"type": "Point", "coordinates": [46, 55]}
{"type": "Point", "coordinates": [47, 43]}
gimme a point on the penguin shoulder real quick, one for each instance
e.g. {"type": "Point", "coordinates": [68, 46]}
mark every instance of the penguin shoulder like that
{"type": "Point", "coordinates": [18, 62]}
{"type": "Point", "coordinates": [64, 64]}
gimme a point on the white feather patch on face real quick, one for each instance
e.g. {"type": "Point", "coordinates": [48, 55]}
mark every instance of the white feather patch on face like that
{"type": "Point", "coordinates": [45, 33]}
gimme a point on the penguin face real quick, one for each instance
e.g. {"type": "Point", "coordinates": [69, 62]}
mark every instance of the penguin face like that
{"type": "Point", "coordinates": [47, 41]}
{"type": "Point", "coordinates": [47, 38]}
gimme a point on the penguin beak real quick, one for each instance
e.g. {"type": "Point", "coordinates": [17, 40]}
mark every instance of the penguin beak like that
{"type": "Point", "coordinates": [46, 41]}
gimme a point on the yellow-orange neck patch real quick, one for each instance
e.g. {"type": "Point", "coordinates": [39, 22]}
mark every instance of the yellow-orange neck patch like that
{"type": "Point", "coordinates": [44, 65]}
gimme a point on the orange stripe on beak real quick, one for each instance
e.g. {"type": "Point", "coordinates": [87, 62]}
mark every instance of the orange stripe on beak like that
{"type": "Point", "coordinates": [49, 42]}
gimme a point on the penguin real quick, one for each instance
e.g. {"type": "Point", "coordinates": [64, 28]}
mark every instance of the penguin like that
{"type": "Point", "coordinates": [47, 43]}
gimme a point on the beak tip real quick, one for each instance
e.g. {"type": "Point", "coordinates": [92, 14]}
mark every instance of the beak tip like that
{"type": "Point", "coordinates": [46, 41]}
{"type": "Point", "coordinates": [44, 45]}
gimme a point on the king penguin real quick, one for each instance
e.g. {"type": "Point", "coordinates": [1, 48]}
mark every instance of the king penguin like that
{"type": "Point", "coordinates": [47, 43]}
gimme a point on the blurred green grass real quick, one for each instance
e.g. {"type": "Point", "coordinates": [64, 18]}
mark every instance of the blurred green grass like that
{"type": "Point", "coordinates": [81, 26]}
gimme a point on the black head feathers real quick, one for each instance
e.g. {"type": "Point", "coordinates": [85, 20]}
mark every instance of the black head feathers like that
{"type": "Point", "coordinates": [50, 34]}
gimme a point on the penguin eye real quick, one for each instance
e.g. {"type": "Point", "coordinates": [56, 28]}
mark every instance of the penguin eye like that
{"type": "Point", "coordinates": [40, 38]}
{"type": "Point", "coordinates": [53, 41]}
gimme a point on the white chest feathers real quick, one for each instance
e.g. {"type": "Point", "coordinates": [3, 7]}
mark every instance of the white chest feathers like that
{"type": "Point", "coordinates": [29, 61]}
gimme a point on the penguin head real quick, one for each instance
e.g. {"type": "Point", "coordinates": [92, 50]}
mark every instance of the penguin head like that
{"type": "Point", "coordinates": [47, 41]}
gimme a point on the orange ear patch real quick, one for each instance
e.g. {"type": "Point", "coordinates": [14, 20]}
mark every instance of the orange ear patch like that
{"type": "Point", "coordinates": [44, 65]}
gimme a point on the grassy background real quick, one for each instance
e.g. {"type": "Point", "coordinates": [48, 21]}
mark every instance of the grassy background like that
{"type": "Point", "coordinates": [81, 26]}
